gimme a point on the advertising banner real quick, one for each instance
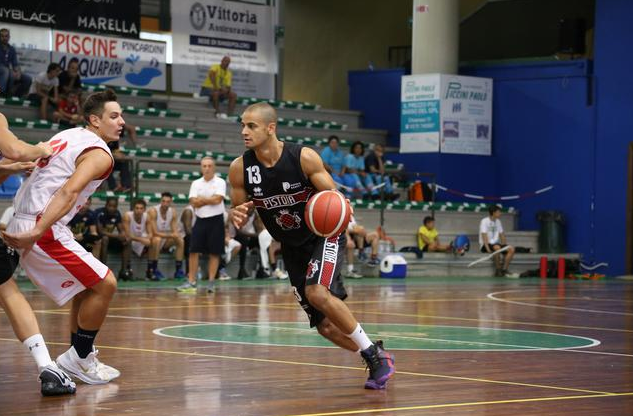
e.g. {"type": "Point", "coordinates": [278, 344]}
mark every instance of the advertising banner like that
{"type": "Point", "coordinates": [32, 45]}
{"type": "Point", "coordinates": [446, 113]}
{"type": "Point", "coordinates": [114, 61]}
{"type": "Point", "coordinates": [466, 115]}
{"type": "Point", "coordinates": [420, 114]}
{"type": "Point", "coordinates": [203, 31]}
{"type": "Point", "coordinates": [107, 17]}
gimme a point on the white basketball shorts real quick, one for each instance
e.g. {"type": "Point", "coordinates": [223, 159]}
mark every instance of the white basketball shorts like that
{"type": "Point", "coordinates": [57, 264]}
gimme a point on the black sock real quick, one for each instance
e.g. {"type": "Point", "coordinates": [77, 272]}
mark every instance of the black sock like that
{"type": "Point", "coordinates": [178, 264]}
{"type": "Point", "coordinates": [84, 341]}
{"type": "Point", "coordinates": [149, 265]}
{"type": "Point", "coordinates": [154, 264]}
{"type": "Point", "coordinates": [73, 338]}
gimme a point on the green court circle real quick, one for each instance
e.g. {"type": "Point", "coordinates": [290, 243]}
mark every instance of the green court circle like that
{"type": "Point", "coordinates": [396, 336]}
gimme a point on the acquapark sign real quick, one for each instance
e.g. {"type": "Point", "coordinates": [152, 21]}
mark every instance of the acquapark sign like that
{"type": "Point", "coordinates": [111, 60]}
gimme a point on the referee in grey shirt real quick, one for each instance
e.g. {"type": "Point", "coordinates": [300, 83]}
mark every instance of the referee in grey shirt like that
{"type": "Point", "coordinates": [206, 196]}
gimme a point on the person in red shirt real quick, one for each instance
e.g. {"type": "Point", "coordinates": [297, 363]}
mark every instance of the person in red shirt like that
{"type": "Point", "coordinates": [67, 113]}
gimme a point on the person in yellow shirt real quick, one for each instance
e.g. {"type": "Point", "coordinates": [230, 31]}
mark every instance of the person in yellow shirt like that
{"type": "Point", "coordinates": [217, 86]}
{"type": "Point", "coordinates": [428, 239]}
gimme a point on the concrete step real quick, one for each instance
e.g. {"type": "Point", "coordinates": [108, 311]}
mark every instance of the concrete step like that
{"type": "Point", "coordinates": [528, 239]}
{"type": "Point", "coordinates": [398, 222]}
{"type": "Point", "coordinates": [440, 264]}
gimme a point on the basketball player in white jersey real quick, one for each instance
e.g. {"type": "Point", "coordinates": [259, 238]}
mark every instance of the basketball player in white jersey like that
{"type": "Point", "coordinates": [54, 380]}
{"type": "Point", "coordinates": [137, 231]}
{"type": "Point", "coordinates": [53, 260]}
{"type": "Point", "coordinates": [163, 225]}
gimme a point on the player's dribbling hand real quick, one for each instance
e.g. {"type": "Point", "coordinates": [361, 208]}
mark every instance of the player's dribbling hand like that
{"type": "Point", "coordinates": [240, 214]}
{"type": "Point", "coordinates": [46, 149]}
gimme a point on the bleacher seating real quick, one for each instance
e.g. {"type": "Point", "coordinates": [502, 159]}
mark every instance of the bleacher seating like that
{"type": "Point", "coordinates": [185, 131]}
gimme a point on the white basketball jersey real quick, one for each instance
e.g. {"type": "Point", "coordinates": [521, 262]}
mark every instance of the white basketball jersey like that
{"type": "Point", "coordinates": [51, 174]}
{"type": "Point", "coordinates": [163, 225]}
{"type": "Point", "coordinates": [137, 229]}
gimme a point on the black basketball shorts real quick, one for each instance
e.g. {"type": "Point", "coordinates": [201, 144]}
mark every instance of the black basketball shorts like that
{"type": "Point", "coordinates": [9, 259]}
{"type": "Point", "coordinates": [317, 262]}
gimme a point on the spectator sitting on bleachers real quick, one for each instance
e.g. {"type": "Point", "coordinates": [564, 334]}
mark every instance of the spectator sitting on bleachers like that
{"type": "Point", "coordinates": [354, 175]}
{"type": "Point", "coordinates": [163, 226]}
{"type": "Point", "coordinates": [364, 239]}
{"type": "Point", "coordinates": [333, 160]}
{"type": "Point", "coordinates": [185, 226]}
{"type": "Point", "coordinates": [217, 86]}
{"type": "Point", "coordinates": [247, 237]}
{"type": "Point", "coordinates": [428, 238]}
{"type": "Point", "coordinates": [232, 247]}
{"type": "Point", "coordinates": [138, 233]}
{"type": "Point", "coordinates": [492, 238]}
{"type": "Point", "coordinates": [375, 169]}
{"type": "Point", "coordinates": [121, 161]}
{"type": "Point", "coordinates": [268, 249]}
{"type": "Point", "coordinates": [110, 227]}
{"type": "Point", "coordinates": [84, 228]}
{"type": "Point", "coordinates": [44, 89]}
{"type": "Point", "coordinates": [70, 80]}
{"type": "Point", "coordinates": [13, 83]}
{"type": "Point", "coordinates": [67, 113]}
{"type": "Point", "coordinates": [349, 253]}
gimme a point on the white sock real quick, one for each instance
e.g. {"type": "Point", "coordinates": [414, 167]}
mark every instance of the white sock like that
{"type": "Point", "coordinates": [360, 338]}
{"type": "Point", "coordinates": [350, 267]}
{"type": "Point", "coordinates": [36, 346]}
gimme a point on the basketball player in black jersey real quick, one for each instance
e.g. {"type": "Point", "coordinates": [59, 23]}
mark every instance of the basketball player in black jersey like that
{"type": "Point", "coordinates": [278, 178]}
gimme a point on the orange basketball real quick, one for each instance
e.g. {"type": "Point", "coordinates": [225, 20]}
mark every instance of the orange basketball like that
{"type": "Point", "coordinates": [327, 213]}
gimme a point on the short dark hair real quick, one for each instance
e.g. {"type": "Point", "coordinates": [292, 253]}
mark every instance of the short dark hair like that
{"type": "Point", "coordinates": [140, 202]}
{"type": "Point", "coordinates": [95, 102]}
{"type": "Point", "coordinates": [53, 66]}
{"type": "Point", "coordinates": [333, 137]}
{"type": "Point", "coordinates": [73, 59]}
{"type": "Point", "coordinates": [357, 143]}
{"type": "Point", "coordinates": [428, 220]}
{"type": "Point", "coordinates": [112, 198]}
{"type": "Point", "coordinates": [168, 194]}
{"type": "Point", "coordinates": [493, 208]}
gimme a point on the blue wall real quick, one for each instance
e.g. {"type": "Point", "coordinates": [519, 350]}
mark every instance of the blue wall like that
{"type": "Point", "coordinates": [377, 95]}
{"type": "Point", "coordinates": [543, 135]}
{"type": "Point", "coordinates": [559, 123]}
{"type": "Point", "coordinates": [613, 68]}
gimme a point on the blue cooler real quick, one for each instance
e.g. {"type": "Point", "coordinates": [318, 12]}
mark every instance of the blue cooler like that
{"type": "Point", "coordinates": [393, 266]}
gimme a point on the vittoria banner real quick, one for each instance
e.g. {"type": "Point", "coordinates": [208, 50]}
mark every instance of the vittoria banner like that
{"type": "Point", "coordinates": [203, 31]}
{"type": "Point", "coordinates": [108, 17]}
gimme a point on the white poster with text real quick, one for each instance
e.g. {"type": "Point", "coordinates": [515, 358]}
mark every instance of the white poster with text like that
{"type": "Point", "coordinates": [108, 60]}
{"type": "Point", "coordinates": [204, 31]}
{"type": "Point", "coordinates": [466, 115]}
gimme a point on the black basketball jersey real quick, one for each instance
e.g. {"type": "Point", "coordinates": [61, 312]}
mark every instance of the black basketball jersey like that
{"type": "Point", "coordinates": [280, 194]}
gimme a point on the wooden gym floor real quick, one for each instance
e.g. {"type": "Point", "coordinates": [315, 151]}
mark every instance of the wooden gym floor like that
{"type": "Point", "coordinates": [463, 346]}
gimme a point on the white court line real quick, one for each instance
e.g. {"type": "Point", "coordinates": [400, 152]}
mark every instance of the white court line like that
{"type": "Point", "coordinates": [493, 296]}
{"type": "Point", "coordinates": [592, 342]}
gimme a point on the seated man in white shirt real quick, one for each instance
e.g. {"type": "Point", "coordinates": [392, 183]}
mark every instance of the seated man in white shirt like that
{"type": "Point", "coordinates": [492, 238]}
{"type": "Point", "coordinates": [163, 226]}
{"type": "Point", "coordinates": [44, 88]}
{"type": "Point", "coordinates": [136, 229]}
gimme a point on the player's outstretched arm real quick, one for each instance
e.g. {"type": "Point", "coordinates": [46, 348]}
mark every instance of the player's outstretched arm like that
{"type": "Point", "coordinates": [239, 199]}
{"type": "Point", "coordinates": [17, 150]}
{"type": "Point", "coordinates": [314, 169]}
{"type": "Point", "coordinates": [89, 166]}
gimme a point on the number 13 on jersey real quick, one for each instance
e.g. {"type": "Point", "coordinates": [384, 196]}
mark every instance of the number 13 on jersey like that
{"type": "Point", "coordinates": [253, 174]}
